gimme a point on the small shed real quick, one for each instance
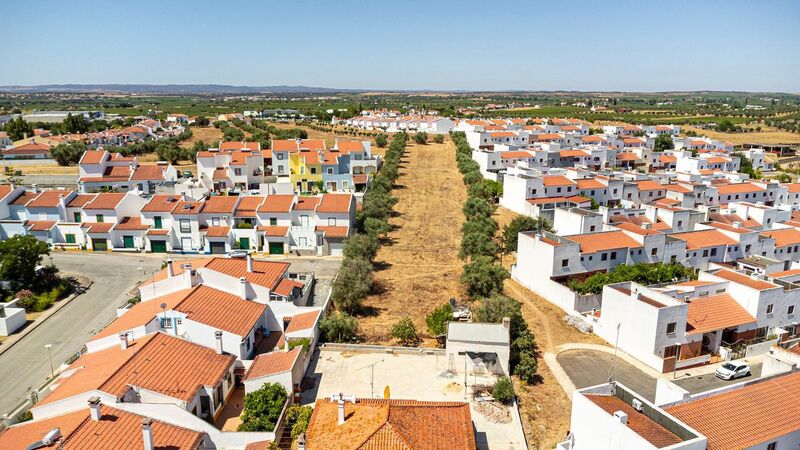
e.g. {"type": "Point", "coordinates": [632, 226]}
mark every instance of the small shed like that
{"type": "Point", "coordinates": [481, 347]}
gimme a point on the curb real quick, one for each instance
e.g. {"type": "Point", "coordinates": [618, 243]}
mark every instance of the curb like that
{"type": "Point", "coordinates": [42, 319]}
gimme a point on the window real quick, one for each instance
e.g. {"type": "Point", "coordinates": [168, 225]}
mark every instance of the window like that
{"type": "Point", "coordinates": [772, 446]}
{"type": "Point", "coordinates": [98, 218]}
{"type": "Point", "coordinates": [215, 221]}
{"type": "Point", "coordinates": [654, 252]}
{"type": "Point", "coordinates": [671, 351]}
{"type": "Point", "coordinates": [77, 216]}
{"type": "Point", "coordinates": [330, 170]}
{"type": "Point", "coordinates": [671, 327]}
{"type": "Point", "coordinates": [70, 238]}
{"type": "Point", "coordinates": [166, 323]}
{"type": "Point", "coordinates": [705, 253]}
{"type": "Point", "coordinates": [273, 221]}
{"type": "Point", "coordinates": [331, 221]}
{"type": "Point", "coordinates": [237, 171]}
{"type": "Point", "coordinates": [185, 226]}
{"type": "Point", "coordinates": [280, 169]}
{"type": "Point", "coordinates": [591, 228]}
{"type": "Point", "coordinates": [613, 255]}
{"type": "Point", "coordinates": [770, 308]}
{"type": "Point", "coordinates": [564, 262]}
{"type": "Point", "coordinates": [790, 311]}
{"type": "Point", "coordinates": [604, 257]}
{"type": "Point", "coordinates": [558, 189]}
{"type": "Point", "coordinates": [713, 252]}
{"type": "Point", "coordinates": [279, 156]}
{"type": "Point", "coordinates": [313, 170]}
{"type": "Point", "coordinates": [680, 222]}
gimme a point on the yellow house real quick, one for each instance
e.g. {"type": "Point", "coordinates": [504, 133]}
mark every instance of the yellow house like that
{"type": "Point", "coordinates": [306, 170]}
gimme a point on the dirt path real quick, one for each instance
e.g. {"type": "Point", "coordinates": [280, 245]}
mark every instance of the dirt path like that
{"type": "Point", "coordinates": [418, 269]}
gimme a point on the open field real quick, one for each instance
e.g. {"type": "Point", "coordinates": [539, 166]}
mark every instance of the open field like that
{"type": "Point", "coordinates": [34, 169]}
{"type": "Point", "coordinates": [418, 268]}
{"type": "Point", "coordinates": [209, 135]}
{"type": "Point", "coordinates": [767, 135]}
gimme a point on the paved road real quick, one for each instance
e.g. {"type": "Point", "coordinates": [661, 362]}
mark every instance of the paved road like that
{"type": "Point", "coordinates": [589, 368]}
{"type": "Point", "coordinates": [25, 366]}
{"type": "Point", "coordinates": [29, 162]}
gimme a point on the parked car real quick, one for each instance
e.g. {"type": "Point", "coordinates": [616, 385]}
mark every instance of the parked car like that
{"type": "Point", "coordinates": [733, 370]}
{"type": "Point", "coordinates": [187, 174]}
{"type": "Point", "coordinates": [237, 253]}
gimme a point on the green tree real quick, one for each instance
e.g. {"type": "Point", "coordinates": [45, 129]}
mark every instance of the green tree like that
{"type": "Point", "coordinates": [477, 208]}
{"type": "Point", "coordinates": [472, 177]}
{"type": "Point", "coordinates": [360, 245]}
{"type": "Point", "coordinates": [352, 285]}
{"type": "Point", "coordinates": [482, 277]}
{"type": "Point", "coordinates": [169, 151]}
{"type": "Point", "coordinates": [381, 140]}
{"type": "Point", "coordinates": [376, 227]}
{"type": "Point", "coordinates": [503, 390]}
{"type": "Point", "coordinates": [298, 416]}
{"type": "Point", "coordinates": [19, 257]}
{"type": "Point", "coordinates": [439, 139]}
{"type": "Point", "coordinates": [438, 318]}
{"type": "Point", "coordinates": [421, 137]}
{"type": "Point", "coordinates": [405, 332]}
{"type": "Point", "coordinates": [338, 327]}
{"type": "Point", "coordinates": [68, 154]}
{"type": "Point", "coordinates": [663, 142]}
{"type": "Point", "coordinates": [784, 177]}
{"type": "Point", "coordinates": [75, 124]}
{"type": "Point", "coordinates": [263, 407]}
{"type": "Point", "coordinates": [521, 224]}
{"type": "Point", "coordinates": [18, 129]}
{"type": "Point", "coordinates": [477, 244]}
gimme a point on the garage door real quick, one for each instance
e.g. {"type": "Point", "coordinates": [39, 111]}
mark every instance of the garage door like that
{"type": "Point", "coordinates": [158, 246]}
{"type": "Point", "coordinates": [217, 248]}
{"type": "Point", "coordinates": [127, 241]}
{"type": "Point", "coordinates": [336, 248]}
{"type": "Point", "coordinates": [99, 245]}
{"type": "Point", "coordinates": [276, 248]}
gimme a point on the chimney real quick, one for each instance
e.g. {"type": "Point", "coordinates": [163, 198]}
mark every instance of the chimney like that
{"type": "Point", "coordinates": [285, 344]}
{"type": "Point", "coordinates": [623, 418]}
{"type": "Point", "coordinates": [147, 433]}
{"type": "Point", "coordinates": [187, 275]}
{"type": "Point", "coordinates": [123, 341]}
{"type": "Point", "coordinates": [243, 287]}
{"type": "Point", "coordinates": [249, 263]}
{"type": "Point", "coordinates": [62, 203]}
{"type": "Point", "coordinates": [218, 337]}
{"type": "Point", "coordinates": [507, 323]}
{"type": "Point", "coordinates": [170, 270]}
{"type": "Point", "coordinates": [340, 402]}
{"type": "Point", "coordinates": [94, 408]}
{"type": "Point", "coordinates": [737, 224]}
{"type": "Point", "coordinates": [301, 441]}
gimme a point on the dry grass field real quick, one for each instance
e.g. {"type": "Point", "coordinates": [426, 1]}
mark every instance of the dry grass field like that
{"type": "Point", "coordinates": [209, 135]}
{"type": "Point", "coordinates": [418, 268]}
{"type": "Point", "coordinates": [33, 169]}
{"type": "Point", "coordinates": [767, 135]}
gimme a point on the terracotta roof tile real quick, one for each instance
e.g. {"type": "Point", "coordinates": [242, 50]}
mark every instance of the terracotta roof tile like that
{"type": "Point", "coordinates": [745, 280]}
{"type": "Point", "coordinates": [303, 321]}
{"type": "Point", "coordinates": [221, 310]}
{"type": "Point", "coordinates": [598, 242]}
{"type": "Point", "coordinates": [131, 224]}
{"type": "Point", "coordinates": [716, 312]}
{"type": "Point", "coordinates": [222, 231]}
{"type": "Point", "coordinates": [783, 237]}
{"type": "Point", "coordinates": [703, 239]}
{"type": "Point", "coordinates": [642, 425]}
{"type": "Point", "coordinates": [80, 200]}
{"type": "Point", "coordinates": [106, 200]}
{"type": "Point", "coordinates": [277, 203]}
{"type": "Point", "coordinates": [272, 363]}
{"type": "Point", "coordinates": [162, 203]}
{"type": "Point", "coordinates": [219, 204]}
{"type": "Point", "coordinates": [48, 199]}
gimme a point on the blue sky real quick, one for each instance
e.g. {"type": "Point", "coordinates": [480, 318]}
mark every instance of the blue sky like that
{"type": "Point", "coordinates": [408, 44]}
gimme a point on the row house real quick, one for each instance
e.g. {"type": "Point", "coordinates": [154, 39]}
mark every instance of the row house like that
{"type": "Point", "coordinates": [232, 166]}
{"type": "Point", "coordinates": [100, 170]}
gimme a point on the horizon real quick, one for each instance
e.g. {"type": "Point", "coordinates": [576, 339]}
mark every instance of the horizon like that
{"type": "Point", "coordinates": [440, 47]}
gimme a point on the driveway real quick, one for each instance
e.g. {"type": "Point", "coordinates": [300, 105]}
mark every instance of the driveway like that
{"type": "Point", "coordinates": [589, 368]}
{"type": "Point", "coordinates": [25, 366]}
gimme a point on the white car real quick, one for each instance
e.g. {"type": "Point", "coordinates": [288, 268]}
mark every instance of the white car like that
{"type": "Point", "coordinates": [732, 370]}
{"type": "Point", "coordinates": [237, 253]}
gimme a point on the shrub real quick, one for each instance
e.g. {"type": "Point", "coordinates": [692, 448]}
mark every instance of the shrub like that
{"type": "Point", "coordinates": [299, 417]}
{"type": "Point", "coordinates": [439, 139]}
{"type": "Point", "coordinates": [503, 390]}
{"type": "Point", "coordinates": [263, 407]}
{"type": "Point", "coordinates": [527, 368]}
{"type": "Point", "coordinates": [472, 177]}
{"type": "Point", "coordinates": [421, 138]}
{"type": "Point", "coordinates": [477, 208]}
{"type": "Point", "coordinates": [438, 318]}
{"type": "Point", "coordinates": [477, 244]}
{"type": "Point", "coordinates": [642, 273]}
{"type": "Point", "coordinates": [338, 327]}
{"type": "Point", "coordinates": [381, 140]}
{"type": "Point", "coordinates": [405, 332]}
{"type": "Point", "coordinates": [376, 227]}
{"type": "Point", "coordinates": [301, 342]}
{"type": "Point", "coordinates": [360, 245]}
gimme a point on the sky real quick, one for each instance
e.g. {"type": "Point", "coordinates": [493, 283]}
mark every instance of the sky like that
{"type": "Point", "coordinates": [612, 45]}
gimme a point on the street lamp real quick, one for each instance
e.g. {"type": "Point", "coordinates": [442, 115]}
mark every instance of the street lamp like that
{"type": "Point", "coordinates": [50, 355]}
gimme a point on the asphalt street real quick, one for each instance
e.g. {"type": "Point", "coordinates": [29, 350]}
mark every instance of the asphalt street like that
{"type": "Point", "coordinates": [589, 368]}
{"type": "Point", "coordinates": [26, 366]}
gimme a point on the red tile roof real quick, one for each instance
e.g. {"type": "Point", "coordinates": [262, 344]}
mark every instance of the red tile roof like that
{"type": "Point", "coordinates": [80, 200]}
{"type": "Point", "coordinates": [25, 198]}
{"type": "Point", "coordinates": [598, 242]}
{"type": "Point", "coordinates": [639, 423]}
{"type": "Point", "coordinates": [218, 231]}
{"type": "Point", "coordinates": [248, 205]}
{"type": "Point", "coordinates": [303, 321]}
{"type": "Point", "coordinates": [277, 203]}
{"type": "Point", "coordinates": [378, 424]}
{"type": "Point", "coordinates": [716, 312]}
{"type": "Point", "coordinates": [149, 172]}
{"type": "Point", "coordinates": [106, 200]}
{"type": "Point", "coordinates": [40, 225]}
{"type": "Point", "coordinates": [703, 239]}
{"type": "Point", "coordinates": [783, 237]}
{"type": "Point", "coordinates": [335, 203]}
{"type": "Point", "coordinates": [219, 204]}
{"type": "Point", "coordinates": [333, 232]}
{"type": "Point", "coordinates": [131, 224]}
{"type": "Point", "coordinates": [162, 203]}
{"type": "Point", "coordinates": [48, 199]}
{"type": "Point", "coordinates": [272, 363]}
{"type": "Point", "coordinates": [745, 280]}
{"type": "Point", "coordinates": [221, 310]}
{"type": "Point", "coordinates": [98, 227]}
{"type": "Point", "coordinates": [745, 417]}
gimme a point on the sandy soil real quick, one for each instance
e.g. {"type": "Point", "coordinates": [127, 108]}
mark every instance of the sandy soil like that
{"type": "Point", "coordinates": [418, 269]}
{"type": "Point", "coordinates": [44, 169]}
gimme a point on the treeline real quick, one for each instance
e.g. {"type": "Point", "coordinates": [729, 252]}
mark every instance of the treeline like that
{"type": "Point", "coordinates": [355, 279]}
{"type": "Point", "coordinates": [642, 273]}
{"type": "Point", "coordinates": [483, 274]}
{"type": "Point", "coordinates": [167, 149]}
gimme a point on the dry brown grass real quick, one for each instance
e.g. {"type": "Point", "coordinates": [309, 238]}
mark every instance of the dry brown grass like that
{"type": "Point", "coordinates": [767, 135]}
{"type": "Point", "coordinates": [209, 135]}
{"type": "Point", "coordinates": [419, 268]}
{"type": "Point", "coordinates": [44, 169]}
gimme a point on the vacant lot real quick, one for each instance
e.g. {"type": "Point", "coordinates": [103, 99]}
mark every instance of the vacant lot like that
{"type": "Point", "coordinates": [209, 135]}
{"type": "Point", "coordinates": [418, 268]}
{"type": "Point", "coordinates": [767, 135]}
